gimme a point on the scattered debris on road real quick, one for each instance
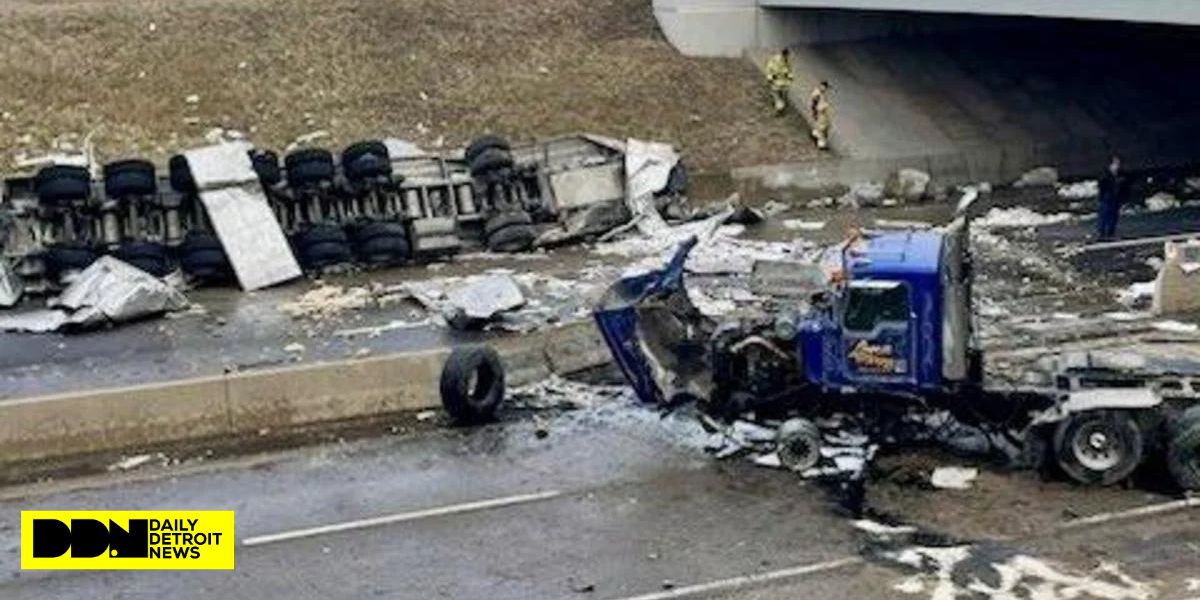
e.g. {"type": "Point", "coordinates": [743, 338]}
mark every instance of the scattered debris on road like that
{"type": "Point", "coordinates": [953, 478]}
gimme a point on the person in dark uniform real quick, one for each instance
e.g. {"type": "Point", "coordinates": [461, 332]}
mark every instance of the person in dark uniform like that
{"type": "Point", "coordinates": [1114, 190]}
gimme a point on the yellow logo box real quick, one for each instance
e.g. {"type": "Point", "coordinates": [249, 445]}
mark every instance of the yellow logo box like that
{"type": "Point", "coordinates": [127, 540]}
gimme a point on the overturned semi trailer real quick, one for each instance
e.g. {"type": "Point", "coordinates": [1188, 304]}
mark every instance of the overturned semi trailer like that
{"type": "Point", "coordinates": [378, 202]}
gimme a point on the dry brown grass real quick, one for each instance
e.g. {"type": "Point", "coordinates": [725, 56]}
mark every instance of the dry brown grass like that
{"type": "Point", "coordinates": [419, 69]}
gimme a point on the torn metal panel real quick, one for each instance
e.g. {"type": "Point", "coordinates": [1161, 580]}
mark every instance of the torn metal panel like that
{"type": "Point", "coordinates": [579, 188]}
{"type": "Point", "coordinates": [647, 170]}
{"type": "Point", "coordinates": [11, 286]}
{"type": "Point", "coordinates": [107, 291]}
{"type": "Point", "coordinates": [229, 188]}
{"type": "Point", "coordinates": [486, 298]}
{"type": "Point", "coordinates": [786, 279]}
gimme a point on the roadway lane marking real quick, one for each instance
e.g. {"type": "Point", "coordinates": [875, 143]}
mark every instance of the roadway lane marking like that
{"type": "Point", "coordinates": [733, 583]}
{"type": "Point", "coordinates": [1133, 513]}
{"type": "Point", "coordinates": [452, 509]}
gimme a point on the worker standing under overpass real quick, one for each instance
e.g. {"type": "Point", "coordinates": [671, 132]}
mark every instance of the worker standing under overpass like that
{"type": "Point", "coordinates": [779, 76]}
{"type": "Point", "coordinates": [821, 112]}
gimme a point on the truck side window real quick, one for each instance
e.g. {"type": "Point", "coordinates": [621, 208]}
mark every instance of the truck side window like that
{"type": "Point", "coordinates": [872, 303]}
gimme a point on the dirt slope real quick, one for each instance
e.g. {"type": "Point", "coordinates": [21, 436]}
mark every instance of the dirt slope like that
{"type": "Point", "coordinates": [420, 69]}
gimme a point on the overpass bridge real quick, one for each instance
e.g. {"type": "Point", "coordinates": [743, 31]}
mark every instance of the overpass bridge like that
{"type": "Point", "coordinates": [972, 90]}
{"type": "Point", "coordinates": [729, 27]}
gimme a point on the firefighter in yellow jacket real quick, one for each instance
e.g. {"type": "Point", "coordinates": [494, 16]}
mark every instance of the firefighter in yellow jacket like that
{"type": "Point", "coordinates": [779, 75]}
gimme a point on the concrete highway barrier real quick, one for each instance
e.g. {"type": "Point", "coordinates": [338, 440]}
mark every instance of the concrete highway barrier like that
{"type": "Point", "coordinates": [267, 400]}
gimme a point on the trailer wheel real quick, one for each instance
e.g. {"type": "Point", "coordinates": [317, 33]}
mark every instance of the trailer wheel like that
{"type": "Point", "coordinates": [516, 238]}
{"type": "Point", "coordinates": [148, 256]}
{"type": "Point", "coordinates": [484, 142]}
{"type": "Point", "coordinates": [62, 183]}
{"type": "Point", "coordinates": [1183, 451]}
{"type": "Point", "coordinates": [505, 220]}
{"type": "Point", "coordinates": [472, 384]}
{"type": "Point", "coordinates": [130, 178]}
{"type": "Point", "coordinates": [309, 166]}
{"type": "Point", "coordinates": [491, 161]}
{"type": "Point", "coordinates": [1098, 447]}
{"type": "Point", "coordinates": [180, 175]}
{"type": "Point", "coordinates": [266, 166]}
{"type": "Point", "coordinates": [799, 443]}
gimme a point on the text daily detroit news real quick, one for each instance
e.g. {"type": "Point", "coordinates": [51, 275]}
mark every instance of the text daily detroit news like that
{"type": "Point", "coordinates": [127, 540]}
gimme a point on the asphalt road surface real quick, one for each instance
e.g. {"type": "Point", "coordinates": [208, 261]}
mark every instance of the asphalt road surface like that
{"type": "Point", "coordinates": [613, 504]}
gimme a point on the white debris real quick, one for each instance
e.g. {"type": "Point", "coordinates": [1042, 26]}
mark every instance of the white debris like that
{"type": "Point", "coordinates": [862, 194]}
{"type": "Point", "coordinates": [969, 572]}
{"type": "Point", "coordinates": [1137, 295]}
{"type": "Point", "coordinates": [426, 415]}
{"type": "Point", "coordinates": [1161, 201]}
{"type": "Point", "coordinates": [327, 301]}
{"type": "Point", "coordinates": [909, 185]}
{"type": "Point", "coordinates": [1019, 217]}
{"type": "Point", "coordinates": [953, 478]}
{"type": "Point", "coordinates": [308, 139]}
{"type": "Point", "coordinates": [132, 462]}
{"type": "Point", "coordinates": [902, 224]}
{"type": "Point", "coordinates": [294, 348]}
{"type": "Point", "coordinates": [802, 225]}
{"type": "Point", "coordinates": [192, 99]}
{"type": "Point", "coordinates": [881, 530]}
{"type": "Point", "coordinates": [1080, 190]}
{"type": "Point", "coordinates": [770, 461]}
{"type": "Point", "coordinates": [1176, 327]}
{"type": "Point", "coordinates": [1039, 177]}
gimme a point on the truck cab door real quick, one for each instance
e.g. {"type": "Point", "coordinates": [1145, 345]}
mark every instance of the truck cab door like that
{"type": "Point", "coordinates": [877, 330]}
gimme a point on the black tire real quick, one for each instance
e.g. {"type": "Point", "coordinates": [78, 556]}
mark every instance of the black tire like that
{"type": "Point", "coordinates": [492, 160]}
{"type": "Point", "coordinates": [68, 257]}
{"type": "Point", "coordinates": [1183, 451]}
{"type": "Point", "coordinates": [147, 256]}
{"type": "Point", "coordinates": [482, 143]}
{"type": "Point", "coordinates": [179, 173]}
{"type": "Point", "coordinates": [309, 167]}
{"type": "Point", "coordinates": [202, 256]}
{"type": "Point", "coordinates": [266, 165]}
{"type": "Point", "coordinates": [366, 160]}
{"type": "Point", "coordinates": [62, 183]}
{"type": "Point", "coordinates": [207, 265]}
{"type": "Point", "coordinates": [325, 254]}
{"type": "Point", "coordinates": [472, 384]}
{"type": "Point", "coordinates": [799, 445]}
{"type": "Point", "coordinates": [383, 251]}
{"type": "Point", "coordinates": [1101, 447]}
{"type": "Point", "coordinates": [378, 229]}
{"type": "Point", "coordinates": [322, 234]}
{"type": "Point", "coordinates": [504, 220]}
{"type": "Point", "coordinates": [125, 178]}
{"type": "Point", "coordinates": [516, 238]}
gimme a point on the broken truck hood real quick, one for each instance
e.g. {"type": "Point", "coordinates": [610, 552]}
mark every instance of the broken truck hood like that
{"type": "Point", "coordinates": [656, 335]}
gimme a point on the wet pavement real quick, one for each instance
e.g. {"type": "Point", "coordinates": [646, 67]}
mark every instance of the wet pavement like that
{"type": "Point", "coordinates": [614, 504]}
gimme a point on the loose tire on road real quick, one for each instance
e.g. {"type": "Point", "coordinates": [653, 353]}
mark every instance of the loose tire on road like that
{"type": "Point", "coordinates": [485, 142]}
{"type": "Point", "coordinates": [472, 384]}
{"type": "Point", "coordinates": [1183, 450]}
{"type": "Point", "coordinates": [1101, 447]}
{"type": "Point", "coordinates": [799, 443]}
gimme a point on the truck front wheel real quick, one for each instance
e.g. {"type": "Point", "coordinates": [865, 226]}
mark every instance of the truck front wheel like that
{"type": "Point", "coordinates": [1100, 447]}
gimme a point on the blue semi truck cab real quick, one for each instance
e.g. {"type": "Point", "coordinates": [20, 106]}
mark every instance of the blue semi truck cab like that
{"type": "Point", "coordinates": [893, 318]}
{"type": "Point", "coordinates": [889, 331]}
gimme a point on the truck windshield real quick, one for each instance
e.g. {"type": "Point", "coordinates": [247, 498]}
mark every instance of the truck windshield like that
{"type": "Point", "coordinates": [870, 304]}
